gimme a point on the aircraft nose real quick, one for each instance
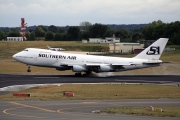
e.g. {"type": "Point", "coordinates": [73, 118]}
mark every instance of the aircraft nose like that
{"type": "Point", "coordinates": [14, 56]}
{"type": "Point", "coordinates": [19, 56]}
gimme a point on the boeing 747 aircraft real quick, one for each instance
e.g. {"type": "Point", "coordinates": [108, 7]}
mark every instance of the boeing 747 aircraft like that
{"type": "Point", "coordinates": [79, 63]}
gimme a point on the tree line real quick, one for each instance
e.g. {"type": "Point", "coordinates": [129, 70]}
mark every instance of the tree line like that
{"type": "Point", "coordinates": [151, 31]}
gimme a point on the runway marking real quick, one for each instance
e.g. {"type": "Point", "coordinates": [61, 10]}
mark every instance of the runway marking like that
{"type": "Point", "coordinates": [72, 113]}
{"type": "Point", "coordinates": [6, 112]}
{"type": "Point", "coordinates": [97, 115]}
{"type": "Point", "coordinates": [142, 81]}
{"type": "Point", "coordinates": [34, 107]}
{"type": "Point", "coordinates": [89, 102]}
{"type": "Point", "coordinates": [85, 114]}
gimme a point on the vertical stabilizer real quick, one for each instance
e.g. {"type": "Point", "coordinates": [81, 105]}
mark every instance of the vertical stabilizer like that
{"type": "Point", "coordinates": [154, 51]}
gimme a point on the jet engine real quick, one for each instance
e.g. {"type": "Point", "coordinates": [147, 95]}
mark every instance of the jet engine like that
{"type": "Point", "coordinates": [78, 68]}
{"type": "Point", "coordinates": [105, 68]}
{"type": "Point", "coordinates": [61, 68]}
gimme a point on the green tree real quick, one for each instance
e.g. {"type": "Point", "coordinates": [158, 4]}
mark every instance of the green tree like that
{"type": "Point", "coordinates": [32, 36]}
{"type": "Point", "coordinates": [85, 25]}
{"type": "Point", "coordinates": [27, 34]}
{"type": "Point", "coordinates": [60, 37]}
{"type": "Point", "coordinates": [154, 30]}
{"type": "Point", "coordinates": [110, 32]}
{"type": "Point", "coordinates": [40, 32]}
{"type": "Point", "coordinates": [158, 29]}
{"type": "Point", "coordinates": [175, 39]}
{"type": "Point", "coordinates": [2, 35]}
{"type": "Point", "coordinates": [97, 30]}
{"type": "Point", "coordinates": [61, 30]}
{"type": "Point", "coordinates": [136, 37]}
{"type": "Point", "coordinates": [13, 34]}
{"type": "Point", "coordinates": [53, 29]}
{"type": "Point", "coordinates": [43, 27]}
{"type": "Point", "coordinates": [57, 36]}
{"type": "Point", "coordinates": [73, 33]}
{"type": "Point", "coordinates": [63, 36]}
{"type": "Point", "coordinates": [49, 35]}
{"type": "Point", "coordinates": [122, 34]}
{"type": "Point", "coordinates": [84, 35]}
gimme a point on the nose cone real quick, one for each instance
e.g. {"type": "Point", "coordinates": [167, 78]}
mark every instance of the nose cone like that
{"type": "Point", "coordinates": [18, 56]}
{"type": "Point", "coordinates": [14, 56]}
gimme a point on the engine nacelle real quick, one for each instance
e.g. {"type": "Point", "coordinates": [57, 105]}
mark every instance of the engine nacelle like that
{"type": "Point", "coordinates": [78, 68]}
{"type": "Point", "coordinates": [105, 68]}
{"type": "Point", "coordinates": [61, 68]}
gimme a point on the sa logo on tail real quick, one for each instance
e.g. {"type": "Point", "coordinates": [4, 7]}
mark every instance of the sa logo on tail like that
{"type": "Point", "coordinates": [154, 50]}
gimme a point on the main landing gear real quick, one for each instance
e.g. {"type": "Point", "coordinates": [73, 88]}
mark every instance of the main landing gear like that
{"type": "Point", "coordinates": [78, 74]}
{"type": "Point", "coordinates": [85, 74]}
{"type": "Point", "coordinates": [29, 70]}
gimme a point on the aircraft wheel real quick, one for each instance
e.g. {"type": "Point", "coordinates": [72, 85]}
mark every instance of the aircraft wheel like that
{"type": "Point", "coordinates": [78, 74]}
{"type": "Point", "coordinates": [29, 70]}
{"type": "Point", "coordinates": [89, 73]}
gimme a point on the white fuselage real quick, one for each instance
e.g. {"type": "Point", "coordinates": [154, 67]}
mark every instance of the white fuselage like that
{"type": "Point", "coordinates": [78, 63]}
{"type": "Point", "coordinates": [65, 61]}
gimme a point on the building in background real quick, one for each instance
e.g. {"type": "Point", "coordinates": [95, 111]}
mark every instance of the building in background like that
{"type": "Point", "coordinates": [124, 48]}
{"type": "Point", "coordinates": [22, 32]}
{"type": "Point", "coordinates": [107, 40]}
{"type": "Point", "coordinates": [15, 38]}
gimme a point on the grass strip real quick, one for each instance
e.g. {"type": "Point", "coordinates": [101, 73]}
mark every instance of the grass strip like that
{"type": "Point", "coordinates": [145, 111]}
{"type": "Point", "coordinates": [98, 91]}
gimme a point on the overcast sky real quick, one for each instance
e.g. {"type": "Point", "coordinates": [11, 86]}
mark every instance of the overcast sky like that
{"type": "Point", "coordinates": [72, 12]}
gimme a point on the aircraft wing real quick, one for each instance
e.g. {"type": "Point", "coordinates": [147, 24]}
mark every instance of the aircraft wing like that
{"type": "Point", "coordinates": [93, 65]}
{"type": "Point", "coordinates": [120, 64]}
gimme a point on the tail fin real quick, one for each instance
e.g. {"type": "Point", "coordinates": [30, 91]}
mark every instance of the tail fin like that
{"type": "Point", "coordinates": [154, 51]}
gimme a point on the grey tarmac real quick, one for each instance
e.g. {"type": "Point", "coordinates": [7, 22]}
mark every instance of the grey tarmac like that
{"type": "Point", "coordinates": [79, 109]}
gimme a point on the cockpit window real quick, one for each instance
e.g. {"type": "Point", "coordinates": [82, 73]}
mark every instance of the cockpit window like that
{"type": "Point", "coordinates": [25, 50]}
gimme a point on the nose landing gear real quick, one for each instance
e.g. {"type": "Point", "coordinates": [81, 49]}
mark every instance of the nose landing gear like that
{"type": "Point", "coordinates": [29, 70]}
